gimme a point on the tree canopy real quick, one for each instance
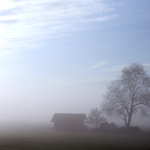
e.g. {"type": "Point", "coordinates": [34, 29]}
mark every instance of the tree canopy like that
{"type": "Point", "coordinates": [96, 118]}
{"type": "Point", "coordinates": [128, 95]}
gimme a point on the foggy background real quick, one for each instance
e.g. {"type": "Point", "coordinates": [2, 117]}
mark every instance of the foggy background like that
{"type": "Point", "coordinates": [59, 56]}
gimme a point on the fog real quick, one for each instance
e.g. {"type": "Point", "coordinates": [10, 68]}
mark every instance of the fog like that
{"type": "Point", "coordinates": [37, 105]}
{"type": "Point", "coordinates": [40, 105]}
{"type": "Point", "coordinates": [59, 57]}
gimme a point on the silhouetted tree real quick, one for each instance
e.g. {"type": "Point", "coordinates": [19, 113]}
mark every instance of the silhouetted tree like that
{"type": "Point", "coordinates": [95, 117]}
{"type": "Point", "coordinates": [128, 95]}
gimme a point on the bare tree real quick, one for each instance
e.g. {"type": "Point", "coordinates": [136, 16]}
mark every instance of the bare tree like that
{"type": "Point", "coordinates": [128, 95]}
{"type": "Point", "coordinates": [95, 117]}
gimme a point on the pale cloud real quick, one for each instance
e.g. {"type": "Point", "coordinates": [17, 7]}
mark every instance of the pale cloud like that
{"type": "Point", "coordinates": [28, 20]}
{"type": "Point", "coordinates": [120, 67]}
{"type": "Point", "coordinates": [116, 4]}
{"type": "Point", "coordinates": [116, 68]}
{"type": "Point", "coordinates": [146, 65]}
{"type": "Point", "coordinates": [85, 79]}
{"type": "Point", "coordinates": [96, 79]}
{"type": "Point", "coordinates": [99, 64]}
{"type": "Point", "coordinates": [4, 53]}
{"type": "Point", "coordinates": [102, 18]}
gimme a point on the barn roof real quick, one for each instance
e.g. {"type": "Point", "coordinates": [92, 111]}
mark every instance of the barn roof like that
{"type": "Point", "coordinates": [63, 116]}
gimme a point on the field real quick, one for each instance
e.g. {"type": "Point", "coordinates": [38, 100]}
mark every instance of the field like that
{"type": "Point", "coordinates": [45, 139]}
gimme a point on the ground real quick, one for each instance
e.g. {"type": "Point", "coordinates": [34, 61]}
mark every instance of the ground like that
{"type": "Point", "coordinates": [45, 139]}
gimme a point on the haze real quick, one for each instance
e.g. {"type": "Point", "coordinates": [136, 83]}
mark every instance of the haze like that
{"type": "Point", "coordinates": [59, 56]}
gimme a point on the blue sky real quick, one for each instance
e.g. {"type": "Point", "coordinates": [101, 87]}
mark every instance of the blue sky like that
{"type": "Point", "coordinates": [59, 56]}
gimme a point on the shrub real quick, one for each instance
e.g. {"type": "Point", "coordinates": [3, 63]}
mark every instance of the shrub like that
{"type": "Point", "coordinates": [134, 129]}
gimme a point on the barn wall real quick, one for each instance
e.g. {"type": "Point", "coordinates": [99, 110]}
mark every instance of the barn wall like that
{"type": "Point", "coordinates": [70, 125]}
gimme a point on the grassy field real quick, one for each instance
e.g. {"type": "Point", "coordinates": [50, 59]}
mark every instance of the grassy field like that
{"type": "Point", "coordinates": [53, 140]}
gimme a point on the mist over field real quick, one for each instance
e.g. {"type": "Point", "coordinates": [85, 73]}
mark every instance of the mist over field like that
{"type": "Point", "coordinates": [60, 57]}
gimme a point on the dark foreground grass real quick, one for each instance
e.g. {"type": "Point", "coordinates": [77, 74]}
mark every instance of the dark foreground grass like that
{"type": "Point", "coordinates": [52, 140]}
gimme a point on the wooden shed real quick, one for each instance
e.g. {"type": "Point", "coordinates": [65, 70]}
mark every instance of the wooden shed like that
{"type": "Point", "coordinates": [69, 122]}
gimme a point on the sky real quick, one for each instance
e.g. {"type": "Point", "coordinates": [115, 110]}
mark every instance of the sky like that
{"type": "Point", "coordinates": [59, 56]}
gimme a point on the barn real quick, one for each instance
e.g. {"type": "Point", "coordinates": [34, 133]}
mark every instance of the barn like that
{"type": "Point", "coordinates": [69, 122]}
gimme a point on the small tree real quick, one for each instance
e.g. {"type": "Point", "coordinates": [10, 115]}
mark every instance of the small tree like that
{"type": "Point", "coordinates": [95, 117]}
{"type": "Point", "coordinates": [128, 95]}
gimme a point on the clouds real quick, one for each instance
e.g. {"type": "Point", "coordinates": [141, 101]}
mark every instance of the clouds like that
{"type": "Point", "coordinates": [99, 64]}
{"type": "Point", "coordinates": [120, 67]}
{"type": "Point", "coordinates": [146, 65]}
{"type": "Point", "coordinates": [10, 11]}
{"type": "Point", "coordinates": [8, 22]}
{"type": "Point", "coordinates": [116, 68]}
{"type": "Point", "coordinates": [91, 79]}
{"type": "Point", "coordinates": [35, 19]}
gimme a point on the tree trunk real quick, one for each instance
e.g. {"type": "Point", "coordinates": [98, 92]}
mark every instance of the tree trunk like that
{"type": "Point", "coordinates": [125, 121]}
{"type": "Point", "coordinates": [96, 126]}
{"type": "Point", "coordinates": [125, 124]}
{"type": "Point", "coordinates": [129, 120]}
